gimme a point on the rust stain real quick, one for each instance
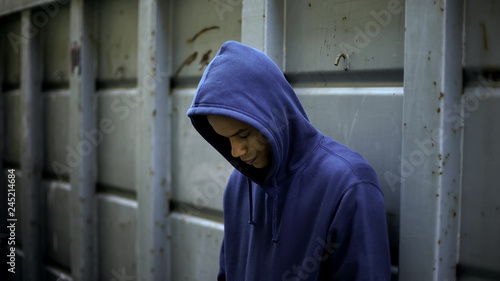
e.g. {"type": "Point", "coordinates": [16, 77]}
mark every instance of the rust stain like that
{"type": "Point", "coordinates": [205, 60]}
{"type": "Point", "coordinates": [438, 110]}
{"type": "Point", "coordinates": [154, 113]}
{"type": "Point", "coordinates": [201, 32]}
{"type": "Point", "coordinates": [187, 61]}
{"type": "Point", "coordinates": [441, 96]}
{"type": "Point", "coordinates": [439, 242]}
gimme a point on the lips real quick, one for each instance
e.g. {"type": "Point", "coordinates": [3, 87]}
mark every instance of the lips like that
{"type": "Point", "coordinates": [249, 162]}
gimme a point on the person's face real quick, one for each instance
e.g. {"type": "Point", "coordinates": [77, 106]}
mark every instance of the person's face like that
{"type": "Point", "coordinates": [247, 143]}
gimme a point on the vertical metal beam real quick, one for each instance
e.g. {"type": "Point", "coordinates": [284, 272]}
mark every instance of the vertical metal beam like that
{"type": "Point", "coordinates": [153, 141]}
{"type": "Point", "coordinates": [83, 162]}
{"type": "Point", "coordinates": [263, 28]}
{"type": "Point", "coordinates": [31, 150]}
{"type": "Point", "coordinates": [432, 139]}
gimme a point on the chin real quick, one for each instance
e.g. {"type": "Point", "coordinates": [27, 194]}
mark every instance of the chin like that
{"type": "Point", "coordinates": [260, 165]}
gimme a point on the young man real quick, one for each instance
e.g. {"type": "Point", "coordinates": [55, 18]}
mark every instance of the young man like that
{"type": "Point", "coordinates": [299, 205]}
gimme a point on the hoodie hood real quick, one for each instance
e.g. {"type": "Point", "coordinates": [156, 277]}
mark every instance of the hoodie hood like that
{"type": "Point", "coordinates": [243, 83]}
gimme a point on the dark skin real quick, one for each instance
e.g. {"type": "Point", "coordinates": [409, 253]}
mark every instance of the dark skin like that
{"type": "Point", "coordinates": [247, 143]}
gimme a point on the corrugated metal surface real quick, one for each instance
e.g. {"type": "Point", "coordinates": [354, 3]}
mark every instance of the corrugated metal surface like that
{"type": "Point", "coordinates": [195, 247]}
{"type": "Point", "coordinates": [131, 191]}
{"type": "Point", "coordinates": [117, 113]}
{"type": "Point", "coordinates": [56, 130]}
{"type": "Point", "coordinates": [117, 43]}
{"type": "Point", "coordinates": [370, 32]}
{"type": "Point", "coordinates": [202, 173]}
{"type": "Point", "coordinates": [117, 235]}
{"type": "Point", "coordinates": [56, 222]}
{"type": "Point", "coordinates": [479, 258]}
{"type": "Point", "coordinates": [12, 114]}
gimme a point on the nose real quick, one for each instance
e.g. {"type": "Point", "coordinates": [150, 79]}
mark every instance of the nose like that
{"type": "Point", "coordinates": [238, 148]}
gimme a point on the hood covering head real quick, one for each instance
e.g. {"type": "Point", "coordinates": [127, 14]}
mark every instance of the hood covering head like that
{"type": "Point", "coordinates": [244, 84]}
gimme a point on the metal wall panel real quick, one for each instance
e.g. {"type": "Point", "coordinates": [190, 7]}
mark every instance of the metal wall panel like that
{"type": "Point", "coordinates": [117, 44]}
{"type": "Point", "coordinates": [200, 28]}
{"type": "Point", "coordinates": [56, 46]}
{"type": "Point", "coordinates": [196, 246]}
{"type": "Point", "coordinates": [11, 29]}
{"type": "Point", "coordinates": [370, 32]}
{"type": "Point", "coordinates": [367, 120]}
{"type": "Point", "coordinates": [57, 216]}
{"type": "Point", "coordinates": [117, 234]}
{"type": "Point", "coordinates": [10, 6]}
{"type": "Point", "coordinates": [201, 173]}
{"type": "Point", "coordinates": [12, 105]}
{"type": "Point", "coordinates": [479, 258]}
{"type": "Point", "coordinates": [481, 35]}
{"type": "Point", "coordinates": [56, 128]}
{"type": "Point", "coordinates": [480, 215]}
{"type": "Point", "coordinates": [116, 154]}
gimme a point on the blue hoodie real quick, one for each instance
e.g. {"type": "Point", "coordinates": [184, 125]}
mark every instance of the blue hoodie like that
{"type": "Point", "coordinates": [317, 211]}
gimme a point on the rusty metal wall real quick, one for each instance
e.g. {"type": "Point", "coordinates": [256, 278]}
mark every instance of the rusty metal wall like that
{"type": "Point", "coordinates": [119, 186]}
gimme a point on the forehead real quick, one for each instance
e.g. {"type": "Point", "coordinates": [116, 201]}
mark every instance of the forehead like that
{"type": "Point", "coordinates": [226, 126]}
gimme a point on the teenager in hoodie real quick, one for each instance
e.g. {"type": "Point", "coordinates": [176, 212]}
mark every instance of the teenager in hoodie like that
{"type": "Point", "coordinates": [299, 205]}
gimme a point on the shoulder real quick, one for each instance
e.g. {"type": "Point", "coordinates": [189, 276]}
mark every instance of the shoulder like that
{"type": "Point", "coordinates": [337, 162]}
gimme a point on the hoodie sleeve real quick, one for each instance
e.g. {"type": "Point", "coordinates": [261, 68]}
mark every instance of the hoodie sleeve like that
{"type": "Point", "coordinates": [222, 272]}
{"type": "Point", "coordinates": [358, 239]}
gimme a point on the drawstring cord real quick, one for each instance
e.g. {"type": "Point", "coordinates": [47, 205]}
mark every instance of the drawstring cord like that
{"type": "Point", "coordinates": [275, 215]}
{"type": "Point", "coordinates": [275, 209]}
{"type": "Point", "coordinates": [250, 201]}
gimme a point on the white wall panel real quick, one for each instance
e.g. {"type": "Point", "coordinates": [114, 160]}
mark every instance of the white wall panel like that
{"type": "Point", "coordinates": [201, 173]}
{"type": "Point", "coordinates": [117, 234]}
{"type": "Point", "coordinates": [482, 41]}
{"type": "Point", "coordinates": [56, 131]}
{"type": "Point", "coordinates": [370, 32]}
{"type": "Point", "coordinates": [117, 51]}
{"type": "Point", "coordinates": [12, 105]}
{"type": "Point", "coordinates": [57, 216]}
{"type": "Point", "coordinates": [480, 216]}
{"type": "Point", "coordinates": [117, 110]}
{"type": "Point", "coordinates": [200, 29]}
{"type": "Point", "coordinates": [11, 29]}
{"type": "Point", "coordinates": [196, 245]}
{"type": "Point", "coordinates": [56, 46]}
